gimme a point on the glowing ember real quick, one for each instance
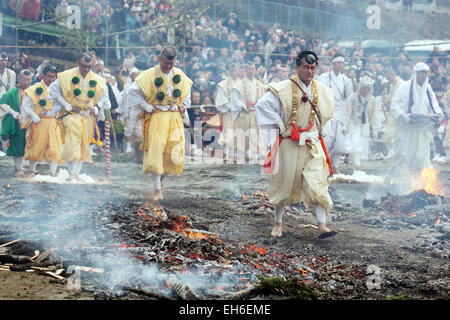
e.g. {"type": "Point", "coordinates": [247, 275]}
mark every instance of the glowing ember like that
{"type": "Point", "coordinates": [429, 182]}
{"type": "Point", "coordinates": [259, 250]}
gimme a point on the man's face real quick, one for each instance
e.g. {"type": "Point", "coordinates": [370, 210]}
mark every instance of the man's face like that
{"type": "Point", "coordinates": [24, 81]}
{"type": "Point", "coordinates": [49, 77]}
{"type": "Point", "coordinates": [166, 64]}
{"type": "Point", "coordinates": [85, 66]}
{"type": "Point", "coordinates": [306, 71]}
{"type": "Point", "coordinates": [421, 76]}
{"type": "Point", "coordinates": [251, 71]}
{"type": "Point", "coordinates": [338, 66]}
{"type": "Point", "coordinates": [195, 98]}
{"type": "Point", "coordinates": [233, 72]}
{"type": "Point", "coordinates": [3, 63]}
{"type": "Point", "coordinates": [364, 90]}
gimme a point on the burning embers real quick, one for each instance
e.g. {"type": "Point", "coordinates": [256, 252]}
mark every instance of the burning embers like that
{"type": "Point", "coordinates": [428, 181]}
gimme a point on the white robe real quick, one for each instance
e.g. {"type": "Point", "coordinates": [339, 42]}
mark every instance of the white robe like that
{"type": "Point", "coordinates": [413, 142]}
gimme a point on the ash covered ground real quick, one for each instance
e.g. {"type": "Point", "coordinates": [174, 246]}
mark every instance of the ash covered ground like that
{"type": "Point", "coordinates": [381, 251]}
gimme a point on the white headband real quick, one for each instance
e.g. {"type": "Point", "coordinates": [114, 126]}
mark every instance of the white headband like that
{"type": "Point", "coordinates": [338, 59]}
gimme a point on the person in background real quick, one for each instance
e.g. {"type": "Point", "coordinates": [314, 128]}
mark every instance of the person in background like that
{"type": "Point", "coordinates": [11, 123]}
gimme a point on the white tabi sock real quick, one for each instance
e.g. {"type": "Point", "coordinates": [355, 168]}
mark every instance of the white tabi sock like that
{"type": "Point", "coordinates": [356, 157]}
{"type": "Point", "coordinates": [53, 166]}
{"type": "Point", "coordinates": [279, 210]}
{"type": "Point", "coordinates": [71, 167]}
{"type": "Point", "coordinates": [320, 213]}
{"type": "Point", "coordinates": [33, 165]}
{"type": "Point", "coordinates": [78, 165]}
{"type": "Point", "coordinates": [156, 178]}
{"type": "Point", "coordinates": [18, 162]}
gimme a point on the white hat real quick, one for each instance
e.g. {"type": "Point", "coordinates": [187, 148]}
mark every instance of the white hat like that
{"type": "Point", "coordinates": [133, 70]}
{"type": "Point", "coordinates": [420, 66]}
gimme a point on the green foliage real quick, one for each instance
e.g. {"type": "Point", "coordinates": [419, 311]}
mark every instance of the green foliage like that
{"type": "Point", "coordinates": [290, 288]}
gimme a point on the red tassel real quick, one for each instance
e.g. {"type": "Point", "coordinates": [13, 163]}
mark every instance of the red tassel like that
{"type": "Point", "coordinates": [295, 133]}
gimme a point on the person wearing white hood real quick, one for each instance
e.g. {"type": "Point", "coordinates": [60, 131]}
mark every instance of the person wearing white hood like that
{"type": "Point", "coordinates": [360, 120]}
{"type": "Point", "coordinates": [343, 88]}
{"type": "Point", "coordinates": [416, 112]}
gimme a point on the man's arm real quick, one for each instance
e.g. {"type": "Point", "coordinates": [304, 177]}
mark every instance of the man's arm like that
{"type": "Point", "coordinates": [55, 93]}
{"type": "Point", "coordinates": [269, 117]}
{"type": "Point", "coordinates": [136, 101]}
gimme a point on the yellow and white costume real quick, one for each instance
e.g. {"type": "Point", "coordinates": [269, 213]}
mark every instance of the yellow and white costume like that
{"type": "Point", "coordinates": [301, 169]}
{"type": "Point", "coordinates": [162, 127]}
{"type": "Point", "coordinates": [78, 126]}
{"type": "Point", "coordinates": [43, 131]}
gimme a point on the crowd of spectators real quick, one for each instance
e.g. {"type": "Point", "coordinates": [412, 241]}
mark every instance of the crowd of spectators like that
{"type": "Point", "coordinates": [211, 45]}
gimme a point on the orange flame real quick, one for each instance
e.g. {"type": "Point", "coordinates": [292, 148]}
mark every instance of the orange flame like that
{"type": "Point", "coordinates": [413, 215]}
{"type": "Point", "coordinates": [429, 182]}
{"type": "Point", "coordinates": [438, 220]}
{"type": "Point", "coordinates": [244, 197]}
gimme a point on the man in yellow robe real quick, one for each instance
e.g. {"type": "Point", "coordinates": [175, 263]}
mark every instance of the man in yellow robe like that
{"type": "Point", "coordinates": [160, 96]}
{"type": "Point", "coordinates": [83, 95]}
{"type": "Point", "coordinates": [292, 114]}
{"type": "Point", "coordinates": [43, 133]}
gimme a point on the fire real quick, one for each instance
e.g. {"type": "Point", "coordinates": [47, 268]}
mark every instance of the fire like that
{"type": "Point", "coordinates": [429, 182]}
{"type": "Point", "coordinates": [244, 197]}
{"type": "Point", "coordinates": [182, 225]}
{"type": "Point", "coordinates": [259, 250]}
{"type": "Point", "coordinates": [8, 186]}
{"type": "Point", "coordinates": [413, 215]}
{"type": "Point", "coordinates": [438, 220]}
{"type": "Point", "coordinates": [259, 193]}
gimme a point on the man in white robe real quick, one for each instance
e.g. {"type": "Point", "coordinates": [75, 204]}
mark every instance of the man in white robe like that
{"type": "Point", "coordinates": [223, 105]}
{"type": "Point", "coordinates": [292, 114]}
{"type": "Point", "coordinates": [132, 127]}
{"type": "Point", "coordinates": [416, 112]}
{"type": "Point", "coordinates": [243, 99]}
{"type": "Point", "coordinates": [360, 120]}
{"type": "Point", "coordinates": [343, 88]}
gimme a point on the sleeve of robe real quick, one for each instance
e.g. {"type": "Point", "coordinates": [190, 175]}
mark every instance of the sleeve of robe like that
{"type": "Point", "coordinates": [269, 117]}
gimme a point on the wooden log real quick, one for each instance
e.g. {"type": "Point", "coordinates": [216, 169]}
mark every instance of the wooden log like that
{"type": "Point", "coordinates": [181, 290]}
{"type": "Point", "coordinates": [147, 293]}
{"type": "Point", "coordinates": [15, 259]}
{"type": "Point", "coordinates": [11, 242]}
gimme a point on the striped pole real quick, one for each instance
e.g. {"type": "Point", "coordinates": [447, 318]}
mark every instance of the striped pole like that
{"type": "Point", "coordinates": [108, 150]}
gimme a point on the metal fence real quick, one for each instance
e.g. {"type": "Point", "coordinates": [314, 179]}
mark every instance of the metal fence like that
{"type": "Point", "coordinates": [289, 16]}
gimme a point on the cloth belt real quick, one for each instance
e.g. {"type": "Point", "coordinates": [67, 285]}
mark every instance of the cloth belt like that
{"type": "Point", "coordinates": [251, 106]}
{"type": "Point", "coordinates": [269, 161]}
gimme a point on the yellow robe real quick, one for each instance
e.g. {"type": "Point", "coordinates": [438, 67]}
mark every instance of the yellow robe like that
{"type": "Point", "coordinates": [302, 171]}
{"type": "Point", "coordinates": [43, 138]}
{"type": "Point", "coordinates": [79, 127]}
{"type": "Point", "coordinates": [163, 131]}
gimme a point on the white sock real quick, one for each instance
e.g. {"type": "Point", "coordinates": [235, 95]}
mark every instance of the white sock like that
{"type": "Point", "coordinates": [156, 181]}
{"type": "Point", "coordinates": [279, 210]}
{"type": "Point", "coordinates": [73, 167]}
{"type": "Point", "coordinates": [33, 165]}
{"type": "Point", "coordinates": [53, 166]}
{"type": "Point", "coordinates": [18, 162]}
{"type": "Point", "coordinates": [321, 215]}
{"type": "Point", "coordinates": [78, 165]}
